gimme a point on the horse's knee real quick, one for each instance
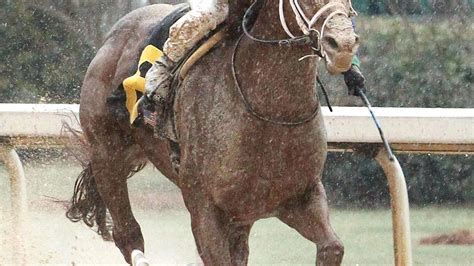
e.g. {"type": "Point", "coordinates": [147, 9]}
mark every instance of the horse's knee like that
{"type": "Point", "coordinates": [330, 253]}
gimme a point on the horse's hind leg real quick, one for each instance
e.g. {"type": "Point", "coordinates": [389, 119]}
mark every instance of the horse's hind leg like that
{"type": "Point", "coordinates": [111, 170]}
{"type": "Point", "coordinates": [309, 216]}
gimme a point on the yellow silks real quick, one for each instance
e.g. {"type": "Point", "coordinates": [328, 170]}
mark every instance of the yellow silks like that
{"type": "Point", "coordinates": [137, 82]}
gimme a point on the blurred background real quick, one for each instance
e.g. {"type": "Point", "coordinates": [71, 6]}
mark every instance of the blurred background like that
{"type": "Point", "coordinates": [414, 53]}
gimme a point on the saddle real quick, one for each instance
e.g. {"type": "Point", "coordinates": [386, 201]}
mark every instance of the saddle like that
{"type": "Point", "coordinates": [140, 111]}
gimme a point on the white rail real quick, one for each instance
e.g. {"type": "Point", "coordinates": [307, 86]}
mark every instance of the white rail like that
{"type": "Point", "coordinates": [402, 125]}
{"type": "Point", "coordinates": [348, 128]}
{"type": "Point", "coordinates": [407, 129]}
{"type": "Point", "coordinates": [36, 120]}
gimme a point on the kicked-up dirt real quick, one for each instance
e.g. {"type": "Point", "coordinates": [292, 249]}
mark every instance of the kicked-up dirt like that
{"type": "Point", "coordinates": [461, 237]}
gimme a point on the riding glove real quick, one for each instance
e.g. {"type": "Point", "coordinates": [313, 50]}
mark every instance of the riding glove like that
{"type": "Point", "coordinates": [354, 80]}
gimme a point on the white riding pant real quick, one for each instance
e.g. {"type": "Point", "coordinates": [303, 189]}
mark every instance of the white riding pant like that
{"type": "Point", "coordinates": [205, 16]}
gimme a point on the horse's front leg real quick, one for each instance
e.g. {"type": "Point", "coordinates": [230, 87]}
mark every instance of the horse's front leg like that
{"type": "Point", "coordinates": [211, 230]}
{"type": "Point", "coordinates": [310, 217]}
{"type": "Point", "coordinates": [239, 243]}
{"type": "Point", "coordinates": [110, 174]}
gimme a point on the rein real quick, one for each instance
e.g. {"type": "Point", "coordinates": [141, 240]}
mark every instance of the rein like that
{"type": "Point", "coordinates": [254, 112]}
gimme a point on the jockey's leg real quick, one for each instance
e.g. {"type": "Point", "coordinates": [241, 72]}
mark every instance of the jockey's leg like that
{"type": "Point", "coordinates": [184, 34]}
{"type": "Point", "coordinates": [204, 17]}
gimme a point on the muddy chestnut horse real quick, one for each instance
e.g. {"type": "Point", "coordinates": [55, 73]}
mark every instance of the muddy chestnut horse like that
{"type": "Point", "coordinates": [241, 160]}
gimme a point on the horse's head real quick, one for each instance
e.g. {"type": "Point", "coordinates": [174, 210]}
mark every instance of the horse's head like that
{"type": "Point", "coordinates": [330, 20]}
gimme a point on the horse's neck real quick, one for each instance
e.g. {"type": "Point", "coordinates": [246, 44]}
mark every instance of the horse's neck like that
{"type": "Point", "coordinates": [268, 22]}
{"type": "Point", "coordinates": [274, 80]}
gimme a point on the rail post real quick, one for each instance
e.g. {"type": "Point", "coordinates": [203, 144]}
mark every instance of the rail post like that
{"type": "Point", "coordinates": [19, 202]}
{"type": "Point", "coordinates": [400, 208]}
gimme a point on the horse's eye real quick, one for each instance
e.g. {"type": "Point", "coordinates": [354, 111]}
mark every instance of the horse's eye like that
{"type": "Point", "coordinates": [331, 41]}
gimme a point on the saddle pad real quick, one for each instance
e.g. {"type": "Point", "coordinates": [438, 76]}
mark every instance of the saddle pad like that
{"type": "Point", "coordinates": [134, 86]}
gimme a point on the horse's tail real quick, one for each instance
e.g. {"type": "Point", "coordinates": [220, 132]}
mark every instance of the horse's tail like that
{"type": "Point", "coordinates": [86, 203]}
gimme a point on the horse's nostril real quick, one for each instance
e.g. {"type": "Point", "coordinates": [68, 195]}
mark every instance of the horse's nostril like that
{"type": "Point", "coordinates": [357, 40]}
{"type": "Point", "coordinates": [332, 42]}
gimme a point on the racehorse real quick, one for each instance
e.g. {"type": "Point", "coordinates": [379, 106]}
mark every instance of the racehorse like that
{"type": "Point", "coordinates": [252, 142]}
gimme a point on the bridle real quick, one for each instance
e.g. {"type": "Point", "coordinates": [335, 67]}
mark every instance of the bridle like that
{"type": "Point", "coordinates": [311, 37]}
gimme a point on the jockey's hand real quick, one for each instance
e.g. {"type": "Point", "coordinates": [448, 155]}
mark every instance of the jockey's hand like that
{"type": "Point", "coordinates": [354, 80]}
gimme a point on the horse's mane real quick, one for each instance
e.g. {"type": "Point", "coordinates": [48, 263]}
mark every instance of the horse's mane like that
{"type": "Point", "coordinates": [236, 13]}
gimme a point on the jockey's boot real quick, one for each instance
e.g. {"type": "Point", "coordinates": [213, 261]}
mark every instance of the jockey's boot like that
{"type": "Point", "coordinates": [157, 92]}
{"type": "Point", "coordinates": [158, 79]}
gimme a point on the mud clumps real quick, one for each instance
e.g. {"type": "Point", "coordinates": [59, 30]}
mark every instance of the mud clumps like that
{"type": "Point", "coordinates": [461, 237]}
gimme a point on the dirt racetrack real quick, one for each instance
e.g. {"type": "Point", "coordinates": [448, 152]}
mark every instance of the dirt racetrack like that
{"type": "Point", "coordinates": [51, 239]}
